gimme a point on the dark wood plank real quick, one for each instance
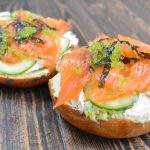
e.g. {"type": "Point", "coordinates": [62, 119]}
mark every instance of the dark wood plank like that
{"type": "Point", "coordinates": [27, 120]}
{"type": "Point", "coordinates": [80, 17]}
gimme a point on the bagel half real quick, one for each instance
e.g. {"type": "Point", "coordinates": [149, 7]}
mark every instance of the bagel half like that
{"type": "Point", "coordinates": [34, 73]}
{"type": "Point", "coordinates": [112, 128]}
{"type": "Point", "coordinates": [123, 117]}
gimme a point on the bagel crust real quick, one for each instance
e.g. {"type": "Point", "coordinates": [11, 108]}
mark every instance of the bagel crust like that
{"type": "Point", "coordinates": [27, 80]}
{"type": "Point", "coordinates": [112, 128]}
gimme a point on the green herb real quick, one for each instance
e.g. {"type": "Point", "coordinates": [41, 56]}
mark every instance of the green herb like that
{"type": "Point", "coordinates": [27, 32]}
{"type": "Point", "coordinates": [29, 19]}
{"type": "Point", "coordinates": [98, 51]}
{"type": "Point", "coordinates": [10, 50]}
{"type": "Point", "coordinates": [5, 41]}
{"type": "Point", "coordinates": [78, 70]}
{"type": "Point", "coordinates": [133, 61]}
{"type": "Point", "coordinates": [110, 92]}
{"type": "Point", "coordinates": [5, 38]}
{"type": "Point", "coordinates": [40, 57]}
{"type": "Point", "coordinates": [101, 56]}
{"type": "Point", "coordinates": [121, 79]}
{"type": "Point", "coordinates": [116, 55]}
{"type": "Point", "coordinates": [85, 90]}
{"type": "Point", "coordinates": [3, 49]}
{"type": "Point", "coordinates": [126, 70]}
{"type": "Point", "coordinates": [136, 93]}
{"type": "Point", "coordinates": [20, 55]}
{"type": "Point", "coordinates": [48, 32]}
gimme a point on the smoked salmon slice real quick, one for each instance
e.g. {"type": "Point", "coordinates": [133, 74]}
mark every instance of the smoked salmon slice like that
{"type": "Point", "coordinates": [74, 75]}
{"type": "Point", "coordinates": [130, 78]}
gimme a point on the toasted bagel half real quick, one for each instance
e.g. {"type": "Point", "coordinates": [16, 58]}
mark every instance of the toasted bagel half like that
{"type": "Point", "coordinates": [112, 128]}
{"type": "Point", "coordinates": [31, 46]}
{"type": "Point", "coordinates": [103, 88]}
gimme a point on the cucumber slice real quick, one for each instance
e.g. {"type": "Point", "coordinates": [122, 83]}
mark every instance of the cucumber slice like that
{"type": "Point", "coordinates": [5, 15]}
{"type": "Point", "coordinates": [16, 69]}
{"type": "Point", "coordinates": [64, 44]}
{"type": "Point", "coordinates": [118, 104]}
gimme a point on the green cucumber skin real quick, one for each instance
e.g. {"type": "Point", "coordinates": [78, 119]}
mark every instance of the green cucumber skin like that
{"type": "Point", "coordinates": [18, 73]}
{"type": "Point", "coordinates": [117, 108]}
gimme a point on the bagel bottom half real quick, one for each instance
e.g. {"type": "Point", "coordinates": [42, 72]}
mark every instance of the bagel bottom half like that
{"type": "Point", "coordinates": [27, 80]}
{"type": "Point", "coordinates": [112, 128]}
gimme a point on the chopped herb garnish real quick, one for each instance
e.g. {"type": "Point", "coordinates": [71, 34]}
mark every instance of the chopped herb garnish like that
{"type": "Point", "coordinates": [85, 89]}
{"type": "Point", "coordinates": [29, 19]}
{"type": "Point", "coordinates": [10, 50]}
{"type": "Point", "coordinates": [27, 32]}
{"type": "Point", "coordinates": [133, 61]}
{"type": "Point", "coordinates": [6, 38]}
{"type": "Point", "coordinates": [48, 32]}
{"type": "Point", "coordinates": [4, 41]}
{"type": "Point", "coordinates": [110, 92]}
{"type": "Point", "coordinates": [107, 65]}
{"type": "Point", "coordinates": [3, 48]}
{"type": "Point", "coordinates": [121, 80]}
{"type": "Point", "coordinates": [116, 56]}
{"type": "Point", "coordinates": [78, 70]}
{"type": "Point", "coordinates": [107, 55]}
{"type": "Point", "coordinates": [99, 53]}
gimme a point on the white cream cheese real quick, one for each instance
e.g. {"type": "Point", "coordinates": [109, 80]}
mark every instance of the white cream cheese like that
{"type": "Point", "coordinates": [72, 38]}
{"type": "Point", "coordinates": [73, 43]}
{"type": "Point", "coordinates": [78, 103]}
{"type": "Point", "coordinates": [56, 84]}
{"type": "Point", "coordinates": [139, 112]}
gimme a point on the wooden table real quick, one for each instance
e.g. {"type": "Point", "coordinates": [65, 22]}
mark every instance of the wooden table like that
{"type": "Point", "coordinates": [27, 120]}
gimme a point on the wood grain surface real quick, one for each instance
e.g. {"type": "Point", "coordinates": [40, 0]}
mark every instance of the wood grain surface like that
{"type": "Point", "coordinates": [27, 120]}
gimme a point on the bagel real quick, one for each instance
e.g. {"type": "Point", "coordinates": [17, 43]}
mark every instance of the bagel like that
{"type": "Point", "coordinates": [122, 116]}
{"type": "Point", "coordinates": [31, 46]}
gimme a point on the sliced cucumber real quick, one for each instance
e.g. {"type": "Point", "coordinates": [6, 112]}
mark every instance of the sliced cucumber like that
{"type": "Point", "coordinates": [5, 15]}
{"type": "Point", "coordinates": [118, 104]}
{"type": "Point", "coordinates": [64, 44]}
{"type": "Point", "coordinates": [16, 69]}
